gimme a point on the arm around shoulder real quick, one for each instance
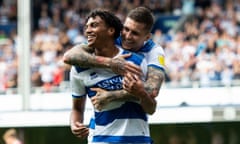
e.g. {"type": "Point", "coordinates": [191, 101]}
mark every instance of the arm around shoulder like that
{"type": "Point", "coordinates": [82, 55]}
{"type": "Point", "coordinates": [77, 55]}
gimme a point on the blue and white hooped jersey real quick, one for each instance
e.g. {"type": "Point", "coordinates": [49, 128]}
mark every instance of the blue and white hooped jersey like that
{"type": "Point", "coordinates": [118, 122]}
{"type": "Point", "coordinates": [153, 53]}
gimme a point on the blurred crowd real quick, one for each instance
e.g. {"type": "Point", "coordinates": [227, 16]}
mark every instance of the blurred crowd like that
{"type": "Point", "coordinates": [205, 50]}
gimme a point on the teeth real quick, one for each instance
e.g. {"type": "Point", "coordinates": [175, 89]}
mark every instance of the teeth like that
{"type": "Point", "coordinates": [128, 42]}
{"type": "Point", "coordinates": [90, 37]}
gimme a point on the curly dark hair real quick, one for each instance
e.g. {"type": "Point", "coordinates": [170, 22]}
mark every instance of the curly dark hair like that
{"type": "Point", "coordinates": [109, 18]}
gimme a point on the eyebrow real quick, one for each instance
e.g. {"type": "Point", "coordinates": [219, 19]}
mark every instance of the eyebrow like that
{"type": "Point", "coordinates": [136, 32]}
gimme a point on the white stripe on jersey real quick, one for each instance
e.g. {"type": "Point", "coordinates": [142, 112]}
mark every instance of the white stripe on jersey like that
{"type": "Point", "coordinates": [123, 126]}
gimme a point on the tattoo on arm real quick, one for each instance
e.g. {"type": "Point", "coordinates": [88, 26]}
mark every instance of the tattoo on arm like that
{"type": "Point", "coordinates": [154, 81]}
{"type": "Point", "coordinates": [152, 86]}
{"type": "Point", "coordinates": [121, 95]}
{"type": "Point", "coordinates": [81, 55]}
{"type": "Point", "coordinates": [82, 59]}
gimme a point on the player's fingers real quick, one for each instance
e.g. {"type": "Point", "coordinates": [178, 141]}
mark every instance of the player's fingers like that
{"type": "Point", "coordinates": [97, 89]}
{"type": "Point", "coordinates": [126, 80]}
{"type": "Point", "coordinates": [124, 87]}
{"type": "Point", "coordinates": [129, 77]}
{"type": "Point", "coordinates": [125, 55]}
{"type": "Point", "coordinates": [96, 103]}
{"type": "Point", "coordinates": [134, 69]}
{"type": "Point", "coordinates": [78, 124]}
{"type": "Point", "coordinates": [93, 101]}
{"type": "Point", "coordinates": [98, 106]}
{"type": "Point", "coordinates": [127, 87]}
{"type": "Point", "coordinates": [135, 77]}
{"type": "Point", "coordinates": [83, 133]}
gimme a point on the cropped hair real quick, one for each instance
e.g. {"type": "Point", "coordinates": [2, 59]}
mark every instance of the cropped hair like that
{"type": "Point", "coordinates": [109, 18]}
{"type": "Point", "coordinates": [142, 15]}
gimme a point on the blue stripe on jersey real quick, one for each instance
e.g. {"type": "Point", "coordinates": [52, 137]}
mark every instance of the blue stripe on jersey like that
{"type": "Point", "coordinates": [118, 41]}
{"type": "Point", "coordinates": [135, 58]}
{"type": "Point", "coordinates": [77, 96]}
{"type": "Point", "coordinates": [79, 69]}
{"type": "Point", "coordinates": [90, 92]}
{"type": "Point", "coordinates": [122, 139]}
{"type": "Point", "coordinates": [129, 110]}
{"type": "Point", "coordinates": [157, 67]}
{"type": "Point", "coordinates": [145, 48]}
{"type": "Point", "coordinates": [112, 83]}
{"type": "Point", "coordinates": [92, 123]}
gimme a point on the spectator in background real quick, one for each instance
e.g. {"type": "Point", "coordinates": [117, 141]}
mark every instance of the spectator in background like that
{"type": "Point", "coordinates": [11, 137]}
{"type": "Point", "coordinates": [3, 69]}
{"type": "Point", "coordinates": [217, 138]}
{"type": "Point", "coordinates": [215, 28]}
{"type": "Point", "coordinates": [44, 20]}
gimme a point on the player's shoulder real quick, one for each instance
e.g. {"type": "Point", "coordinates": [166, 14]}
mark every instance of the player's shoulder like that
{"type": "Point", "coordinates": [150, 47]}
{"type": "Point", "coordinates": [158, 48]}
{"type": "Point", "coordinates": [134, 57]}
{"type": "Point", "coordinates": [78, 69]}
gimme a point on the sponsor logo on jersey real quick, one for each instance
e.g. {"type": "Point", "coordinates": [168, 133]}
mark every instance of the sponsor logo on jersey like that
{"type": "Point", "coordinates": [114, 83]}
{"type": "Point", "coordinates": [161, 60]}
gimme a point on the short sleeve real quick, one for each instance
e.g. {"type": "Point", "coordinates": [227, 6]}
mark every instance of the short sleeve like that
{"type": "Point", "coordinates": [77, 84]}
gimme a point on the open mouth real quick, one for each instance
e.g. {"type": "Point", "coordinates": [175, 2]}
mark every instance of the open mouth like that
{"type": "Point", "coordinates": [127, 44]}
{"type": "Point", "coordinates": [90, 38]}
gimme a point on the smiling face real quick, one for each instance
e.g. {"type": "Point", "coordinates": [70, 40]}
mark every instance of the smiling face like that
{"type": "Point", "coordinates": [96, 32]}
{"type": "Point", "coordinates": [134, 35]}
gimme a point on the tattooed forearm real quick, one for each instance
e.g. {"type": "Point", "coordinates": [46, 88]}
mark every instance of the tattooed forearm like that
{"type": "Point", "coordinates": [154, 81]}
{"type": "Point", "coordinates": [152, 86]}
{"type": "Point", "coordinates": [81, 55]}
{"type": "Point", "coordinates": [121, 95]}
{"type": "Point", "coordinates": [80, 59]}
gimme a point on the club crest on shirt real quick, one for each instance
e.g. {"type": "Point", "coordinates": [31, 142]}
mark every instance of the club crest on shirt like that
{"type": "Point", "coordinates": [93, 75]}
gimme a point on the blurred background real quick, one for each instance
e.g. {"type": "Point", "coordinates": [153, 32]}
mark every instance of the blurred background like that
{"type": "Point", "coordinates": [199, 102]}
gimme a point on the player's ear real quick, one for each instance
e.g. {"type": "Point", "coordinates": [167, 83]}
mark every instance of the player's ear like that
{"type": "Point", "coordinates": [148, 36]}
{"type": "Point", "coordinates": [111, 31]}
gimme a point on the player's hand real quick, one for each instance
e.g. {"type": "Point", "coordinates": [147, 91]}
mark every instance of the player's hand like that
{"type": "Point", "coordinates": [79, 130]}
{"type": "Point", "coordinates": [100, 99]}
{"type": "Point", "coordinates": [133, 84]}
{"type": "Point", "coordinates": [120, 66]}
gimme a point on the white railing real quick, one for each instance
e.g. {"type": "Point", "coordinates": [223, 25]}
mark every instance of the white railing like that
{"type": "Point", "coordinates": [175, 105]}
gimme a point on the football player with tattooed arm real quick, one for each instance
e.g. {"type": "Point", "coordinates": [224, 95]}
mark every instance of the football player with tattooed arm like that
{"type": "Point", "coordinates": [136, 37]}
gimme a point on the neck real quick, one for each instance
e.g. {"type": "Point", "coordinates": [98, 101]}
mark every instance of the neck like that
{"type": "Point", "coordinates": [107, 51]}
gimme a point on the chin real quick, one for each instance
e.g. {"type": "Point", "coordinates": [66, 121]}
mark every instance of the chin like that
{"type": "Point", "coordinates": [90, 44]}
{"type": "Point", "coordinates": [126, 47]}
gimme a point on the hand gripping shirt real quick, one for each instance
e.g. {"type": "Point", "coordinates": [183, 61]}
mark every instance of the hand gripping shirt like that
{"type": "Point", "coordinates": [119, 122]}
{"type": "Point", "coordinates": [153, 53]}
